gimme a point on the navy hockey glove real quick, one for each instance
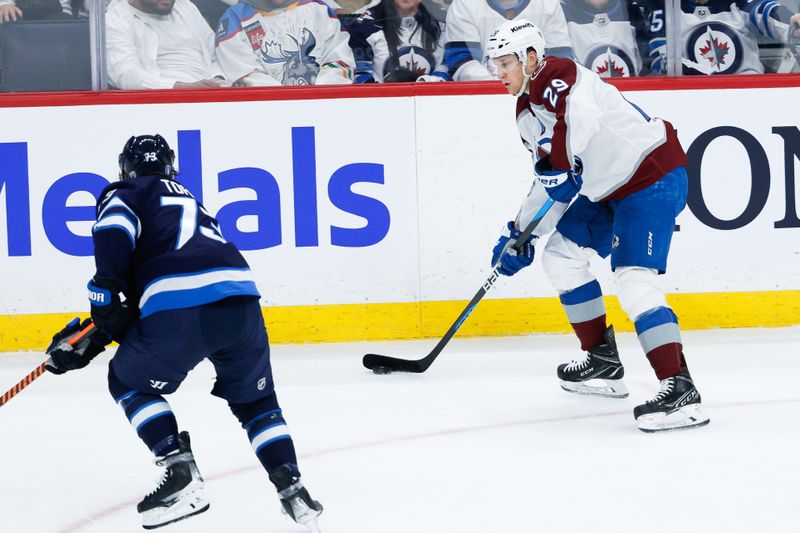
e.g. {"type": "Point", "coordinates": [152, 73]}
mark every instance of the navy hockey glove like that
{"type": "Point", "coordinates": [512, 261]}
{"type": "Point", "coordinates": [64, 357]}
{"type": "Point", "coordinates": [110, 314]}
{"type": "Point", "coordinates": [561, 186]}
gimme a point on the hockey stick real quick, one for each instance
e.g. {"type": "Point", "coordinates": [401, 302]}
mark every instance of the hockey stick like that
{"type": "Point", "coordinates": [75, 342]}
{"type": "Point", "coordinates": [384, 364]}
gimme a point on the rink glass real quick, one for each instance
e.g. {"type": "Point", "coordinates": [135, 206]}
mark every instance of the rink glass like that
{"type": "Point", "coordinates": [66, 51]}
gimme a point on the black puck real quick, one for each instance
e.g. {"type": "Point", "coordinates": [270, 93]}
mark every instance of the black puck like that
{"type": "Point", "coordinates": [382, 370]}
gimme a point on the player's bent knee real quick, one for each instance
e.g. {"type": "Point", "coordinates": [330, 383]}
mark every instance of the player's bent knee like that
{"type": "Point", "coordinates": [638, 290]}
{"type": "Point", "coordinates": [565, 263]}
{"type": "Point", "coordinates": [115, 386]}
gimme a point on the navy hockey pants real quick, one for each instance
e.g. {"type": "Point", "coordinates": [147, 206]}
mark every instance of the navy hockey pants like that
{"type": "Point", "coordinates": [159, 350]}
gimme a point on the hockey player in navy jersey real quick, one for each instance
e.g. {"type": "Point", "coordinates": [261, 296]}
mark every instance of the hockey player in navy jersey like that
{"type": "Point", "coordinates": [720, 36]}
{"type": "Point", "coordinates": [188, 295]}
{"type": "Point", "coordinates": [618, 182]}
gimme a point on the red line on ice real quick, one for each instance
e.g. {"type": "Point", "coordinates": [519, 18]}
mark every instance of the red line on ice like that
{"type": "Point", "coordinates": [80, 524]}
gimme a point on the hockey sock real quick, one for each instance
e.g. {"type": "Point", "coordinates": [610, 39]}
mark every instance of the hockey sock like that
{"type": "Point", "coordinates": [149, 414]}
{"type": "Point", "coordinates": [660, 337]}
{"type": "Point", "coordinates": [268, 433]}
{"type": "Point", "coordinates": [586, 313]}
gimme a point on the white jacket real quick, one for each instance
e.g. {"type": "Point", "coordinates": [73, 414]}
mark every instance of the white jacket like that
{"type": "Point", "coordinates": [132, 46]}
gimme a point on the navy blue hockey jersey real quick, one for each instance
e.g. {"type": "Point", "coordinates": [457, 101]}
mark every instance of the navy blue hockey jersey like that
{"type": "Point", "coordinates": [158, 245]}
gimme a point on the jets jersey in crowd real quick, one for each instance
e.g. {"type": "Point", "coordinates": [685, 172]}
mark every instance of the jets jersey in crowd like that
{"type": "Point", "coordinates": [604, 39]}
{"type": "Point", "coordinates": [154, 242]}
{"type": "Point", "coordinates": [569, 113]}
{"type": "Point", "coordinates": [470, 22]}
{"type": "Point", "coordinates": [372, 51]}
{"type": "Point", "coordinates": [302, 43]}
{"type": "Point", "coordinates": [718, 37]}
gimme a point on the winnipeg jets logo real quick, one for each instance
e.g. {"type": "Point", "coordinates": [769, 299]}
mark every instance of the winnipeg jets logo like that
{"type": "Point", "coordinates": [714, 49]}
{"type": "Point", "coordinates": [610, 62]}
{"type": "Point", "coordinates": [415, 59]}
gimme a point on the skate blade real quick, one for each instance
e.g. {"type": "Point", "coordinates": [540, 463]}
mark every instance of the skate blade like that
{"type": "Point", "coordinates": [187, 506]}
{"type": "Point", "coordinates": [606, 388]}
{"type": "Point", "coordinates": [688, 417]}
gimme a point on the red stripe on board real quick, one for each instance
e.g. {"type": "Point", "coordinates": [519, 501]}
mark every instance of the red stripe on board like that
{"type": "Point", "coordinates": [372, 90]}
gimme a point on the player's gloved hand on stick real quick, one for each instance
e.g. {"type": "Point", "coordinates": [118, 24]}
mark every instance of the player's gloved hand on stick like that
{"type": "Point", "coordinates": [64, 357]}
{"type": "Point", "coordinates": [512, 261]}
{"type": "Point", "coordinates": [110, 314]}
{"type": "Point", "coordinates": [561, 185]}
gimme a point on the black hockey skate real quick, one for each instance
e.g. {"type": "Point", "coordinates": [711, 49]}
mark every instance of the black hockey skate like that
{"type": "Point", "coordinates": [179, 493]}
{"type": "Point", "coordinates": [295, 499]}
{"type": "Point", "coordinates": [675, 406]}
{"type": "Point", "coordinates": [599, 373]}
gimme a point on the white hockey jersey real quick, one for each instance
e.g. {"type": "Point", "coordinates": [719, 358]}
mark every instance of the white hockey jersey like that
{"type": "Point", "coordinates": [470, 22]}
{"type": "Point", "coordinates": [604, 39]}
{"type": "Point", "coordinates": [302, 43]}
{"type": "Point", "coordinates": [720, 36]}
{"type": "Point", "coordinates": [570, 112]}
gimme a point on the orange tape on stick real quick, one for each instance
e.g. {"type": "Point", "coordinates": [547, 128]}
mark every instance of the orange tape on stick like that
{"type": "Point", "coordinates": [39, 370]}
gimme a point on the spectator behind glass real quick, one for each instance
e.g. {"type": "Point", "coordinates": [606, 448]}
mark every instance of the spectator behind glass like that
{"type": "Point", "coordinates": [12, 10]}
{"type": "Point", "coordinates": [719, 36]}
{"type": "Point", "coordinates": [159, 44]}
{"type": "Point", "coordinates": [278, 42]}
{"type": "Point", "coordinates": [604, 36]}
{"type": "Point", "coordinates": [213, 10]}
{"type": "Point", "coordinates": [398, 40]}
{"type": "Point", "coordinates": [437, 8]}
{"type": "Point", "coordinates": [470, 22]}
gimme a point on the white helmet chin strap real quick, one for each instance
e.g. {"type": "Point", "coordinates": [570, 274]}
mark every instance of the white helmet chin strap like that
{"type": "Point", "coordinates": [523, 61]}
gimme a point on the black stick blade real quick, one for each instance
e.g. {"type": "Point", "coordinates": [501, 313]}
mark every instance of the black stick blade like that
{"type": "Point", "coordinates": [393, 364]}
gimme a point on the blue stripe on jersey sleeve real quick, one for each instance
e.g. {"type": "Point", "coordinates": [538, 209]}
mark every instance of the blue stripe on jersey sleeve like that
{"type": "Point", "coordinates": [753, 10]}
{"type": "Point", "coordinates": [765, 17]}
{"type": "Point", "coordinates": [117, 222]}
{"type": "Point", "coordinates": [456, 53]}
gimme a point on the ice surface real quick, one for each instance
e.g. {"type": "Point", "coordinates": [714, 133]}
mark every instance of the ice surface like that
{"type": "Point", "coordinates": [484, 442]}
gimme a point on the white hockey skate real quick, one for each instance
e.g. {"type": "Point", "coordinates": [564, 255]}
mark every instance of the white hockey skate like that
{"type": "Point", "coordinates": [675, 406]}
{"type": "Point", "coordinates": [179, 493]}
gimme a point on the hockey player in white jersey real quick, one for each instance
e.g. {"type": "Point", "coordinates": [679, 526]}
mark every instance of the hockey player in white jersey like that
{"type": "Point", "coordinates": [604, 36]}
{"type": "Point", "coordinates": [618, 180]}
{"type": "Point", "coordinates": [719, 36]}
{"type": "Point", "coordinates": [275, 42]}
{"type": "Point", "coordinates": [469, 23]}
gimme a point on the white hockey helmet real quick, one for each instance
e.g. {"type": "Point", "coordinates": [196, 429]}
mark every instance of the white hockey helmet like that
{"type": "Point", "coordinates": [516, 37]}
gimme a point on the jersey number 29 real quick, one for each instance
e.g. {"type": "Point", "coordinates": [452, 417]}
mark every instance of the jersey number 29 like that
{"type": "Point", "coordinates": [555, 88]}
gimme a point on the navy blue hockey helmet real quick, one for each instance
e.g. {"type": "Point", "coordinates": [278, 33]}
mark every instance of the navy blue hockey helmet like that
{"type": "Point", "coordinates": [146, 155]}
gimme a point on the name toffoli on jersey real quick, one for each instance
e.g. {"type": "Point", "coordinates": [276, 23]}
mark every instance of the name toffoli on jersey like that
{"type": "Point", "coordinates": [56, 214]}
